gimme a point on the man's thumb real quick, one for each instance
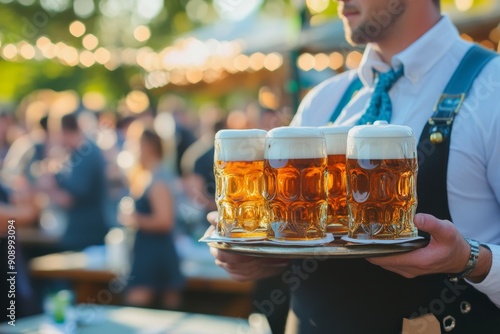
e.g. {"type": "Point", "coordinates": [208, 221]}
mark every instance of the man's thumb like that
{"type": "Point", "coordinates": [430, 224]}
{"type": "Point", "coordinates": [212, 217]}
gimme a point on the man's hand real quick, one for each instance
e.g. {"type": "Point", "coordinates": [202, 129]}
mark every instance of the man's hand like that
{"type": "Point", "coordinates": [241, 267]}
{"type": "Point", "coordinates": [447, 252]}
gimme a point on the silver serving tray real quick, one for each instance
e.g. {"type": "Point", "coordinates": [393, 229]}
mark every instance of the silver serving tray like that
{"type": "Point", "coordinates": [335, 249]}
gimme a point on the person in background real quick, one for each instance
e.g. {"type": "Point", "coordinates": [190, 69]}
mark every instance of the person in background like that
{"type": "Point", "coordinates": [26, 154]}
{"type": "Point", "coordinates": [122, 125]}
{"type": "Point", "coordinates": [210, 114]}
{"type": "Point", "coordinates": [107, 140]}
{"type": "Point", "coordinates": [79, 188]}
{"type": "Point", "coordinates": [5, 122]}
{"type": "Point", "coordinates": [15, 212]}
{"type": "Point", "coordinates": [184, 136]}
{"type": "Point", "coordinates": [197, 170]}
{"type": "Point", "coordinates": [25, 162]}
{"type": "Point", "coordinates": [155, 269]}
{"type": "Point", "coordinates": [199, 176]}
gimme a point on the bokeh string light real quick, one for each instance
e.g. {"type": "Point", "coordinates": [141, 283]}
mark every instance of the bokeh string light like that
{"type": "Point", "coordinates": [188, 61]}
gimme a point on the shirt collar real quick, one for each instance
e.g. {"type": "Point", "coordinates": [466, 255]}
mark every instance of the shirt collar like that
{"type": "Point", "coordinates": [439, 39]}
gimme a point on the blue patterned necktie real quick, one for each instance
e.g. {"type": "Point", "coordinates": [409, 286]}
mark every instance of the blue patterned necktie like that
{"type": "Point", "coordinates": [380, 107]}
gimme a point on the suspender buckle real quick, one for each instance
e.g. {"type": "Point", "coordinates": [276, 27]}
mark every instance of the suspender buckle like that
{"type": "Point", "coordinates": [445, 110]}
{"type": "Point", "coordinates": [447, 107]}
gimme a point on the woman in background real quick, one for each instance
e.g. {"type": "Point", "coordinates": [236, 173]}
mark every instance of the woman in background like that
{"type": "Point", "coordinates": [155, 267]}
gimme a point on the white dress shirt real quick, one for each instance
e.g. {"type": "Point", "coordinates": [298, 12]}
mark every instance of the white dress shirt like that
{"type": "Point", "coordinates": [474, 162]}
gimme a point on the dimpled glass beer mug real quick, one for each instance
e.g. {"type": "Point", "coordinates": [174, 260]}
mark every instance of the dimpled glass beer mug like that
{"type": "Point", "coordinates": [381, 181]}
{"type": "Point", "coordinates": [336, 141]}
{"type": "Point", "coordinates": [239, 187]}
{"type": "Point", "coordinates": [296, 183]}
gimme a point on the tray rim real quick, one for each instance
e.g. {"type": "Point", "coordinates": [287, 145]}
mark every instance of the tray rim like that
{"type": "Point", "coordinates": [335, 249]}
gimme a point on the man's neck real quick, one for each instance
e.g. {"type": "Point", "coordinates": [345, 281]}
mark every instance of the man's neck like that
{"type": "Point", "coordinates": [407, 33]}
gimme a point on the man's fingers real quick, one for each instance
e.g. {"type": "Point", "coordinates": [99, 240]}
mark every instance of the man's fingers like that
{"type": "Point", "coordinates": [230, 258]}
{"type": "Point", "coordinates": [244, 260]}
{"type": "Point", "coordinates": [438, 229]}
{"type": "Point", "coordinates": [212, 217]}
{"type": "Point", "coordinates": [252, 270]}
{"type": "Point", "coordinates": [394, 260]}
{"type": "Point", "coordinates": [405, 265]}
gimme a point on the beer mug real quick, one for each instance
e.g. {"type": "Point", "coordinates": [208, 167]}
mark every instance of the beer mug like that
{"type": "Point", "coordinates": [336, 142]}
{"type": "Point", "coordinates": [381, 181]}
{"type": "Point", "coordinates": [296, 183]}
{"type": "Point", "coordinates": [239, 183]}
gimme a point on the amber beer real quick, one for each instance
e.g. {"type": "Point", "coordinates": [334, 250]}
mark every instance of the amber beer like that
{"type": "Point", "coordinates": [296, 183]}
{"type": "Point", "coordinates": [381, 182]}
{"type": "Point", "coordinates": [239, 187]}
{"type": "Point", "coordinates": [336, 141]}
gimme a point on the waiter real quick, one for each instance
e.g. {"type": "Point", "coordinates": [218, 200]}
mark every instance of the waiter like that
{"type": "Point", "coordinates": [410, 60]}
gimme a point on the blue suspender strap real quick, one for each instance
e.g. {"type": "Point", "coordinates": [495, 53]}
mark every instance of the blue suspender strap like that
{"type": "Point", "coordinates": [434, 143]}
{"type": "Point", "coordinates": [455, 92]}
{"type": "Point", "coordinates": [352, 89]}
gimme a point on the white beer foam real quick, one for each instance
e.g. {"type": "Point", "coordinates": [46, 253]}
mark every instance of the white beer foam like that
{"type": "Point", "coordinates": [295, 143]}
{"type": "Point", "coordinates": [240, 145]}
{"type": "Point", "coordinates": [336, 138]}
{"type": "Point", "coordinates": [381, 141]}
{"type": "Point", "coordinates": [241, 134]}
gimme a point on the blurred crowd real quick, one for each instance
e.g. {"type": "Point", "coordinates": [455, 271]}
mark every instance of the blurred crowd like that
{"type": "Point", "coordinates": [75, 174]}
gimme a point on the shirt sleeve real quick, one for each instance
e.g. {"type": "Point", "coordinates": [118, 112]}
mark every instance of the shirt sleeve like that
{"type": "Point", "coordinates": [491, 137]}
{"type": "Point", "coordinates": [490, 286]}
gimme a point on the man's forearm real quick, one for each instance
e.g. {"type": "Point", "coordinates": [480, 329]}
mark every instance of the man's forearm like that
{"type": "Point", "coordinates": [486, 278]}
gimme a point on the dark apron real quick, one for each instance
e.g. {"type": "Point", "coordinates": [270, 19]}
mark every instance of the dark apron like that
{"type": "Point", "coordinates": [354, 296]}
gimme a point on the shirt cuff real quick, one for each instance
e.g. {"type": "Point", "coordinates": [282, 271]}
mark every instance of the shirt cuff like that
{"type": "Point", "coordinates": [490, 286]}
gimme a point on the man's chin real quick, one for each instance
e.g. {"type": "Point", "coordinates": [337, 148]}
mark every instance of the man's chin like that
{"type": "Point", "coordinates": [353, 36]}
{"type": "Point", "coordinates": [356, 39]}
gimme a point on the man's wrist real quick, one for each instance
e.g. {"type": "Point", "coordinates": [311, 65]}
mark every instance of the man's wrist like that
{"type": "Point", "coordinates": [472, 261]}
{"type": "Point", "coordinates": [483, 266]}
